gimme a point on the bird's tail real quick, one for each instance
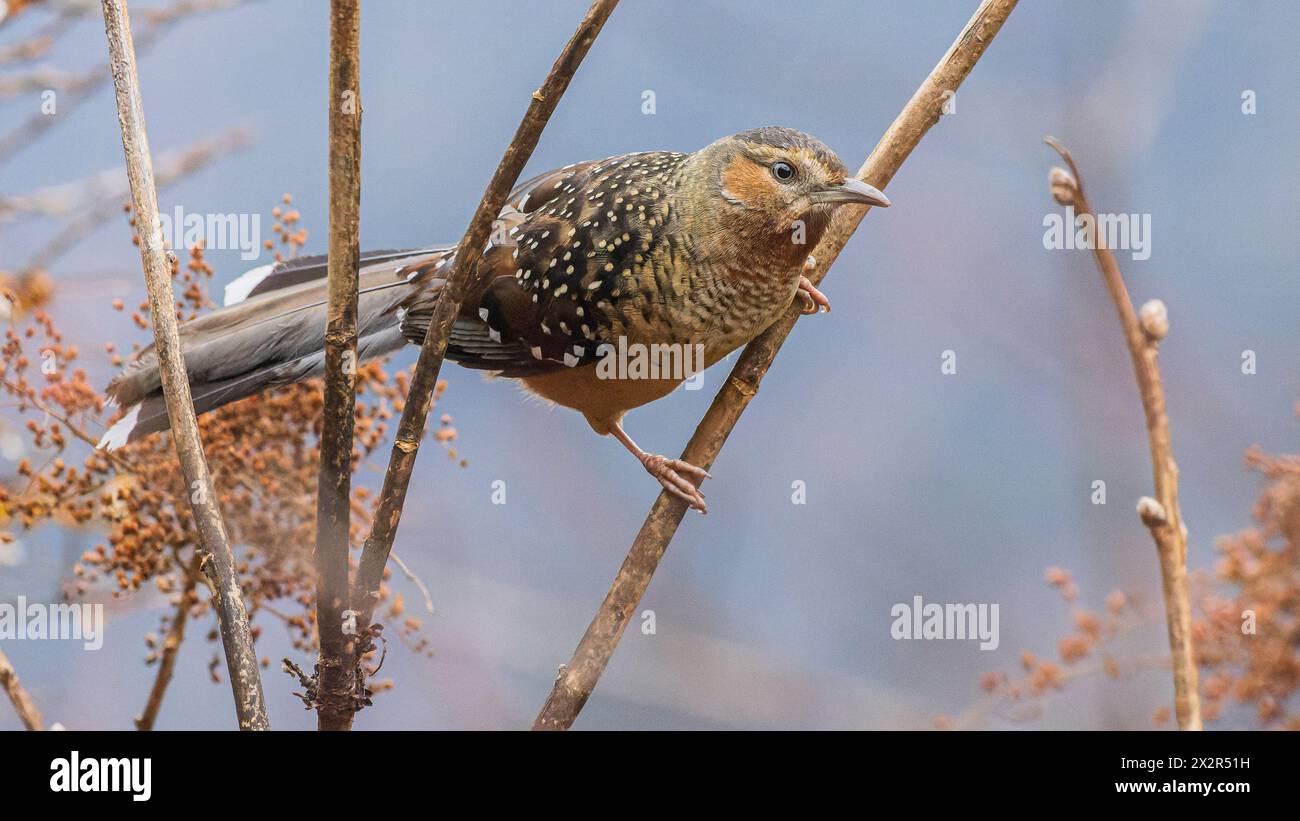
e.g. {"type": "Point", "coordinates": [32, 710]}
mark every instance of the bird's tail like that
{"type": "Point", "coordinates": [270, 332]}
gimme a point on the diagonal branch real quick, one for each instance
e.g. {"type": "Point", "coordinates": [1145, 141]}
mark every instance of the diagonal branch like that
{"type": "Point", "coordinates": [245, 680]}
{"type": "Point", "coordinates": [411, 428]}
{"type": "Point", "coordinates": [110, 186]}
{"type": "Point", "coordinates": [336, 663]}
{"type": "Point", "coordinates": [578, 678]}
{"type": "Point", "coordinates": [22, 701]}
{"type": "Point", "coordinates": [172, 166]}
{"type": "Point", "coordinates": [1161, 514]}
{"type": "Point", "coordinates": [38, 43]}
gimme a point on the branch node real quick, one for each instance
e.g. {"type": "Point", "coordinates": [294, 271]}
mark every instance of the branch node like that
{"type": "Point", "coordinates": [1152, 512]}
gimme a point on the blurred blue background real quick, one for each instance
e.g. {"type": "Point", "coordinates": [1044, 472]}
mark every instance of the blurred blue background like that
{"type": "Point", "coordinates": [957, 488]}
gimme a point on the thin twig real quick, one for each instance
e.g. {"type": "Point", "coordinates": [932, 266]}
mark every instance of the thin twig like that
{"type": "Point", "coordinates": [22, 701]}
{"type": "Point", "coordinates": [29, 398]}
{"type": "Point", "coordinates": [336, 662]}
{"type": "Point", "coordinates": [578, 678]}
{"type": "Point", "coordinates": [973, 717]}
{"type": "Point", "coordinates": [170, 169]}
{"type": "Point", "coordinates": [411, 428]}
{"type": "Point", "coordinates": [157, 22]}
{"type": "Point", "coordinates": [110, 185]}
{"type": "Point", "coordinates": [1161, 514]}
{"type": "Point", "coordinates": [39, 43]}
{"type": "Point", "coordinates": [241, 661]}
{"type": "Point", "coordinates": [414, 579]}
{"type": "Point", "coordinates": [43, 78]}
{"type": "Point", "coordinates": [171, 646]}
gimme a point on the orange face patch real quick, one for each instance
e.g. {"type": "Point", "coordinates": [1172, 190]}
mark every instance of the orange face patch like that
{"type": "Point", "coordinates": [750, 183]}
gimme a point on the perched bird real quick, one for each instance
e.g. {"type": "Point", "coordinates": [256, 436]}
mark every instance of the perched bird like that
{"type": "Point", "coordinates": [684, 256]}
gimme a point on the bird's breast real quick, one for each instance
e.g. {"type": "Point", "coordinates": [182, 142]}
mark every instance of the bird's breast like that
{"type": "Point", "coordinates": [742, 303]}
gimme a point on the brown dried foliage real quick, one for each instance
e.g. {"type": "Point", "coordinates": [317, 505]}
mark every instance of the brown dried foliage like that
{"type": "Point", "coordinates": [263, 455]}
{"type": "Point", "coordinates": [1248, 634]}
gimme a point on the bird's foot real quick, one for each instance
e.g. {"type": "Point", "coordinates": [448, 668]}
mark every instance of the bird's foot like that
{"type": "Point", "coordinates": [668, 472]}
{"type": "Point", "coordinates": [814, 300]}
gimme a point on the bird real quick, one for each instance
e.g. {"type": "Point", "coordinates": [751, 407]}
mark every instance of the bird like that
{"type": "Point", "coordinates": [675, 258]}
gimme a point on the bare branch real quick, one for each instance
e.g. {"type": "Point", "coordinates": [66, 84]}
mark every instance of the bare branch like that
{"type": "Point", "coordinates": [578, 678]}
{"type": "Point", "coordinates": [337, 659]}
{"type": "Point", "coordinates": [411, 429]}
{"type": "Point", "coordinates": [23, 704]}
{"type": "Point", "coordinates": [170, 649]}
{"type": "Point", "coordinates": [245, 680]}
{"type": "Point", "coordinates": [1161, 514]}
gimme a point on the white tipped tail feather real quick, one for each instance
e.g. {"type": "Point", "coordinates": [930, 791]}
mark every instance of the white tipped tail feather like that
{"type": "Point", "coordinates": [239, 288]}
{"type": "Point", "coordinates": [270, 333]}
{"type": "Point", "coordinates": [120, 433]}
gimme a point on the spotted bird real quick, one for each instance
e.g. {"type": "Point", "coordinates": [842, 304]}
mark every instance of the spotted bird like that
{"type": "Point", "coordinates": [697, 252]}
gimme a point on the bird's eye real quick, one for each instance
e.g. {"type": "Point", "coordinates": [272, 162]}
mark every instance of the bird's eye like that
{"type": "Point", "coordinates": [783, 171]}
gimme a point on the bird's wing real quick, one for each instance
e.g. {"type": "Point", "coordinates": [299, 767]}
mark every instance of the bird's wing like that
{"type": "Point", "coordinates": [550, 273]}
{"type": "Point", "coordinates": [562, 283]}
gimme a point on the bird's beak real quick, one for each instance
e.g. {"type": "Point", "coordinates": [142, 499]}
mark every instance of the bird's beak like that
{"type": "Point", "coordinates": [851, 190]}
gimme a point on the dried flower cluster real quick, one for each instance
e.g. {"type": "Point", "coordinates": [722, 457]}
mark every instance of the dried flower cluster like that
{"type": "Point", "coordinates": [1020, 697]}
{"type": "Point", "coordinates": [262, 452]}
{"type": "Point", "coordinates": [1248, 639]}
{"type": "Point", "coordinates": [1247, 636]}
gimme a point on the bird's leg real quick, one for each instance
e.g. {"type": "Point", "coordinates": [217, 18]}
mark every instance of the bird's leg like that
{"type": "Point", "coordinates": [815, 301]}
{"type": "Point", "coordinates": [668, 472]}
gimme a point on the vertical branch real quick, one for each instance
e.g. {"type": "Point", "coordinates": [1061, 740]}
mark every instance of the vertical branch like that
{"type": "Point", "coordinates": [578, 678]}
{"type": "Point", "coordinates": [1161, 514]}
{"type": "Point", "coordinates": [218, 563]}
{"type": "Point", "coordinates": [336, 665]}
{"type": "Point", "coordinates": [411, 428]}
{"type": "Point", "coordinates": [23, 704]}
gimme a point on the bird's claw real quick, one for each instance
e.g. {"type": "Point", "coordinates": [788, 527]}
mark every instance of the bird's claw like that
{"type": "Point", "coordinates": [668, 472]}
{"type": "Point", "coordinates": [814, 300]}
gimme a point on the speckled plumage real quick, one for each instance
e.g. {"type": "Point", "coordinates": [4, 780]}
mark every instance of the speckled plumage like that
{"type": "Point", "coordinates": [650, 247]}
{"type": "Point", "coordinates": [657, 248]}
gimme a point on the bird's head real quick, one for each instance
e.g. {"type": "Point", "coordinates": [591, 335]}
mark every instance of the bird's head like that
{"type": "Point", "coordinates": [773, 187]}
